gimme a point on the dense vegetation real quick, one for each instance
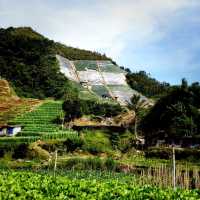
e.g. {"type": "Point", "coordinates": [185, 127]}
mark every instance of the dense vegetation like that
{"type": "Point", "coordinates": [75, 108]}
{"type": "Point", "coordinates": [78, 54]}
{"type": "Point", "coordinates": [174, 115]}
{"type": "Point", "coordinates": [27, 60]}
{"type": "Point", "coordinates": [27, 185]}
{"type": "Point", "coordinates": [145, 84]}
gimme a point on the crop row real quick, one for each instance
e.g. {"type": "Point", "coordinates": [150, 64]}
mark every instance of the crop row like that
{"type": "Point", "coordinates": [28, 185]}
{"type": "Point", "coordinates": [41, 120]}
{"type": "Point", "coordinates": [42, 136]}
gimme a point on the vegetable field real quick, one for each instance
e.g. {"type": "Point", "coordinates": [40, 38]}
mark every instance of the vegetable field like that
{"type": "Point", "coordinates": [40, 124]}
{"type": "Point", "coordinates": [29, 185]}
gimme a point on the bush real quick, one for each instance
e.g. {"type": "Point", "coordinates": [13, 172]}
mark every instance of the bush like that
{"type": "Point", "coordinates": [110, 164]}
{"type": "Point", "coordinates": [75, 108]}
{"type": "Point", "coordinates": [73, 143]}
{"type": "Point", "coordinates": [83, 164]}
{"type": "Point", "coordinates": [180, 154]}
{"type": "Point", "coordinates": [96, 142]}
{"type": "Point", "coordinates": [89, 164]}
{"type": "Point", "coordinates": [20, 151]}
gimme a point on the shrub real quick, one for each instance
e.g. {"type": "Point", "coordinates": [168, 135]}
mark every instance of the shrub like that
{"type": "Point", "coordinates": [110, 164]}
{"type": "Point", "coordinates": [20, 151]}
{"type": "Point", "coordinates": [73, 143]}
{"type": "Point", "coordinates": [166, 153]}
{"type": "Point", "coordinates": [83, 164]}
{"type": "Point", "coordinates": [96, 142]}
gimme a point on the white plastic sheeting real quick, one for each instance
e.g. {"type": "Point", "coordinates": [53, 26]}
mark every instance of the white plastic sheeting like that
{"type": "Point", "coordinates": [93, 77]}
{"type": "Point", "coordinates": [66, 68]}
{"type": "Point", "coordinates": [116, 81]}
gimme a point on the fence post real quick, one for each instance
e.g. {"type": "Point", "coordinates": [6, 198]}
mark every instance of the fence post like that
{"type": "Point", "coordinates": [174, 167]}
{"type": "Point", "coordinates": [55, 163]}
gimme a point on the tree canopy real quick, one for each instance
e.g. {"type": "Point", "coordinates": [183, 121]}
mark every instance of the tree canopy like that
{"type": "Point", "coordinates": [28, 62]}
{"type": "Point", "coordinates": [174, 115]}
{"type": "Point", "coordinates": [144, 83]}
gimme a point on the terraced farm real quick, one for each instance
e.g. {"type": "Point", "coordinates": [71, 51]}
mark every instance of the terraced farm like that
{"type": "Point", "coordinates": [40, 124]}
{"type": "Point", "coordinates": [98, 75]}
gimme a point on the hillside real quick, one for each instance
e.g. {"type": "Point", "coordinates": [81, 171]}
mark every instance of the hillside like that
{"type": "Point", "coordinates": [101, 77]}
{"type": "Point", "coordinates": [11, 105]}
{"type": "Point", "coordinates": [148, 86]}
{"type": "Point", "coordinates": [28, 61]}
{"type": "Point", "coordinates": [39, 68]}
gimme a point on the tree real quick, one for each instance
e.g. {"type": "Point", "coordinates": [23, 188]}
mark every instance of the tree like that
{"type": "Point", "coordinates": [72, 109]}
{"type": "Point", "coordinates": [145, 84]}
{"type": "Point", "coordinates": [174, 115]}
{"type": "Point", "coordinates": [136, 105]}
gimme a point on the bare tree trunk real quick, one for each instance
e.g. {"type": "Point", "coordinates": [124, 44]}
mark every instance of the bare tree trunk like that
{"type": "Point", "coordinates": [135, 127]}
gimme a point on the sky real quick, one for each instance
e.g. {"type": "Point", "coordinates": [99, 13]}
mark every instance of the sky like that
{"type": "Point", "coordinates": [161, 37]}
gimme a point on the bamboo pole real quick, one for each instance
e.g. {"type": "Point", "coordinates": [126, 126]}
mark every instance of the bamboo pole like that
{"type": "Point", "coordinates": [174, 168]}
{"type": "Point", "coordinates": [55, 163]}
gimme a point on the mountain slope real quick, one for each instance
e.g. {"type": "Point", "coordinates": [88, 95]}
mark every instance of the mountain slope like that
{"type": "Point", "coordinates": [28, 61]}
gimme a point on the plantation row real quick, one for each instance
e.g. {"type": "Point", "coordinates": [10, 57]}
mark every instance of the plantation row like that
{"type": "Point", "coordinates": [48, 136]}
{"type": "Point", "coordinates": [28, 185]}
{"type": "Point", "coordinates": [41, 120]}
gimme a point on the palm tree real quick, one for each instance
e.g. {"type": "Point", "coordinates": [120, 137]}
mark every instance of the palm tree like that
{"type": "Point", "coordinates": [136, 104]}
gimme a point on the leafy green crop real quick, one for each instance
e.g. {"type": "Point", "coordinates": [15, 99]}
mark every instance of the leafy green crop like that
{"type": "Point", "coordinates": [29, 185]}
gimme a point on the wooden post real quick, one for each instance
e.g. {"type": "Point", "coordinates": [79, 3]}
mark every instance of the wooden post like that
{"type": "Point", "coordinates": [174, 168]}
{"type": "Point", "coordinates": [55, 163]}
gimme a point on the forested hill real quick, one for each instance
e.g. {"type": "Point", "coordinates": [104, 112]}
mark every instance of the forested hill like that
{"type": "Point", "coordinates": [27, 61]}
{"type": "Point", "coordinates": [145, 84]}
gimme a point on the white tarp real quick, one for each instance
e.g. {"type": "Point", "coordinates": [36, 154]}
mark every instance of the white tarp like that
{"type": "Point", "coordinates": [93, 77]}
{"type": "Point", "coordinates": [114, 79]}
{"type": "Point", "coordinates": [119, 88]}
{"type": "Point", "coordinates": [65, 68]}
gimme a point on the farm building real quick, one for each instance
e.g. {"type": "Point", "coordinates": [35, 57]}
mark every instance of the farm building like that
{"type": "Point", "coordinates": [9, 130]}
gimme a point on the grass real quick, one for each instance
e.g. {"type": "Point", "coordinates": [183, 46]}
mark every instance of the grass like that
{"type": "Point", "coordinates": [96, 142]}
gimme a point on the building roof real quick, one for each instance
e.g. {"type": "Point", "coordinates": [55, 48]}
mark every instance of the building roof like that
{"type": "Point", "coordinates": [10, 126]}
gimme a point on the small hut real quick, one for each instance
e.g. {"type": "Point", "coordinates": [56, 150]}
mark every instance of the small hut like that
{"type": "Point", "coordinates": [10, 130]}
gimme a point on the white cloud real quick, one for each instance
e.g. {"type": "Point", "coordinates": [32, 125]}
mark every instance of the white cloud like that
{"type": "Point", "coordinates": [106, 25]}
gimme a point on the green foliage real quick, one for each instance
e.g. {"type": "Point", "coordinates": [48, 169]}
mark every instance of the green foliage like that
{"type": "Point", "coordinates": [72, 109]}
{"type": "Point", "coordinates": [41, 119]}
{"type": "Point", "coordinates": [143, 83]}
{"type": "Point", "coordinates": [175, 115]}
{"type": "Point", "coordinates": [110, 164]}
{"type": "Point", "coordinates": [101, 109]}
{"type": "Point", "coordinates": [75, 108]}
{"type": "Point", "coordinates": [96, 142]}
{"type": "Point", "coordinates": [39, 124]}
{"type": "Point", "coordinates": [28, 185]}
{"type": "Point", "coordinates": [73, 143]}
{"type": "Point", "coordinates": [28, 61]}
{"type": "Point", "coordinates": [166, 153]}
{"type": "Point", "coordinates": [78, 54]}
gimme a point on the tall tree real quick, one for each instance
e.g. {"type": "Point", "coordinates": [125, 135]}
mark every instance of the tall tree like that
{"type": "Point", "coordinates": [136, 104]}
{"type": "Point", "coordinates": [174, 115]}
